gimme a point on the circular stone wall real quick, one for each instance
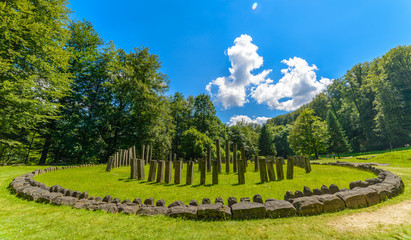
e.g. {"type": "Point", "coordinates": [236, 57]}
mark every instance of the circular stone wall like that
{"type": "Point", "coordinates": [306, 202]}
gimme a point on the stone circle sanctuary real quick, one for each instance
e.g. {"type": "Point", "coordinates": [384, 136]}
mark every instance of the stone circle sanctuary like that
{"type": "Point", "coordinates": [298, 203]}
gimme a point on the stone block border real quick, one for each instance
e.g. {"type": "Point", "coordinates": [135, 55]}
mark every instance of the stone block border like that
{"type": "Point", "coordinates": [300, 203]}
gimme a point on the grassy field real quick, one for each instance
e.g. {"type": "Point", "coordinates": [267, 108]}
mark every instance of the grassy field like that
{"type": "Point", "coordinates": [21, 219]}
{"type": "Point", "coordinates": [97, 182]}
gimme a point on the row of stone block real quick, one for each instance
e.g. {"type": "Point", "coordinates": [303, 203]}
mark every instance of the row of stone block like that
{"type": "Point", "coordinates": [332, 199]}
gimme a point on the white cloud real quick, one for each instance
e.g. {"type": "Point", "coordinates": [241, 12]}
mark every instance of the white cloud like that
{"type": "Point", "coordinates": [297, 87]}
{"type": "Point", "coordinates": [244, 59]}
{"type": "Point", "coordinates": [245, 119]}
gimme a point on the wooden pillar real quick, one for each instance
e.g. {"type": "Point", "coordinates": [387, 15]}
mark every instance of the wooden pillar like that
{"type": "Point", "coordinates": [307, 164]}
{"type": "Point", "coordinates": [109, 163]}
{"type": "Point", "coordinates": [143, 148]}
{"type": "Point", "coordinates": [147, 155]}
{"type": "Point", "coordinates": [177, 171]}
{"type": "Point", "coordinates": [279, 167]}
{"type": "Point", "coordinates": [290, 168]}
{"type": "Point", "coordinates": [235, 157]}
{"type": "Point", "coordinates": [160, 171]}
{"type": "Point", "coordinates": [218, 155]}
{"type": "Point", "coordinates": [270, 169]}
{"type": "Point", "coordinates": [151, 153]}
{"type": "Point", "coordinates": [208, 159]}
{"type": "Point", "coordinates": [203, 171]}
{"type": "Point", "coordinates": [152, 171]}
{"type": "Point", "coordinates": [241, 168]}
{"type": "Point", "coordinates": [215, 172]}
{"type": "Point", "coordinates": [190, 173]}
{"type": "Point", "coordinates": [263, 169]}
{"type": "Point", "coordinates": [169, 169]}
{"type": "Point", "coordinates": [227, 156]}
{"type": "Point", "coordinates": [133, 168]}
{"type": "Point", "coordinates": [140, 169]}
{"type": "Point", "coordinates": [256, 163]}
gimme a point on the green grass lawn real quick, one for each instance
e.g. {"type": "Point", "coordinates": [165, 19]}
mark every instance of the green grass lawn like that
{"type": "Point", "coordinates": [97, 182]}
{"type": "Point", "coordinates": [21, 219]}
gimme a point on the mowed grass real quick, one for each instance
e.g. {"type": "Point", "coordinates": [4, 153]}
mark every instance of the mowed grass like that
{"type": "Point", "coordinates": [97, 182]}
{"type": "Point", "coordinates": [21, 219]}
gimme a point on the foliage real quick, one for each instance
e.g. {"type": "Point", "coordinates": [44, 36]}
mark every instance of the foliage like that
{"type": "Point", "coordinates": [33, 75]}
{"type": "Point", "coordinates": [195, 143]}
{"type": "Point", "coordinates": [337, 141]}
{"type": "Point", "coordinates": [266, 143]}
{"type": "Point", "coordinates": [308, 134]}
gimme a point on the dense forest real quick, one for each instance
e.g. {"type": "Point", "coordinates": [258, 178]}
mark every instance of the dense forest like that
{"type": "Point", "coordinates": [68, 96]}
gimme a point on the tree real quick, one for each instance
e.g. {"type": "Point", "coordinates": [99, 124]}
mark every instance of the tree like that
{"type": "Point", "coordinates": [266, 142]}
{"type": "Point", "coordinates": [245, 135]}
{"type": "Point", "coordinates": [337, 141]}
{"type": "Point", "coordinates": [308, 134]}
{"type": "Point", "coordinates": [392, 85]}
{"type": "Point", "coordinates": [280, 135]}
{"type": "Point", "coordinates": [181, 113]}
{"type": "Point", "coordinates": [204, 116]}
{"type": "Point", "coordinates": [195, 143]}
{"type": "Point", "coordinates": [33, 64]}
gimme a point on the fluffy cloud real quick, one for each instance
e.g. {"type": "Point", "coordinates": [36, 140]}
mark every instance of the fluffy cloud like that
{"type": "Point", "coordinates": [297, 87]}
{"type": "Point", "coordinates": [245, 119]}
{"type": "Point", "coordinates": [244, 59]}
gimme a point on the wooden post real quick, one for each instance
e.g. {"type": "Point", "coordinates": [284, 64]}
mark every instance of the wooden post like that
{"type": "Point", "coordinates": [263, 169]}
{"type": "Point", "coordinates": [151, 153]}
{"type": "Point", "coordinates": [208, 159]}
{"type": "Point", "coordinates": [234, 157]}
{"type": "Point", "coordinates": [256, 163]}
{"type": "Point", "coordinates": [241, 167]}
{"type": "Point", "coordinates": [203, 171]}
{"type": "Point", "coordinates": [133, 168]}
{"type": "Point", "coordinates": [152, 172]}
{"type": "Point", "coordinates": [169, 168]}
{"type": "Point", "coordinates": [227, 156]}
{"type": "Point", "coordinates": [215, 172]}
{"type": "Point", "coordinates": [290, 168]}
{"type": "Point", "coordinates": [147, 155]}
{"type": "Point", "coordinates": [177, 171]}
{"type": "Point", "coordinates": [160, 171]}
{"type": "Point", "coordinates": [190, 173]}
{"type": "Point", "coordinates": [109, 163]}
{"type": "Point", "coordinates": [143, 148]}
{"type": "Point", "coordinates": [279, 167]}
{"type": "Point", "coordinates": [307, 165]}
{"type": "Point", "coordinates": [218, 155]}
{"type": "Point", "coordinates": [140, 169]}
{"type": "Point", "coordinates": [270, 168]}
{"type": "Point", "coordinates": [125, 155]}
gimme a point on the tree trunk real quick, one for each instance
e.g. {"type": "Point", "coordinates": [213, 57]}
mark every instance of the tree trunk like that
{"type": "Point", "coordinates": [45, 151]}
{"type": "Point", "coordinates": [30, 147]}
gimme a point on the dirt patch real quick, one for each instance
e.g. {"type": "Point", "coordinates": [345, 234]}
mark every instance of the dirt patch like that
{"type": "Point", "coordinates": [389, 215]}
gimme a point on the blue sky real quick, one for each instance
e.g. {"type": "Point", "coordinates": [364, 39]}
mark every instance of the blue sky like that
{"type": "Point", "coordinates": [315, 41]}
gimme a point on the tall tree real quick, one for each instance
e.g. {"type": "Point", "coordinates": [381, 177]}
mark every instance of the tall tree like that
{"type": "Point", "coordinates": [392, 85]}
{"type": "Point", "coordinates": [337, 141]}
{"type": "Point", "coordinates": [308, 134]}
{"type": "Point", "coordinates": [204, 116]}
{"type": "Point", "coordinates": [181, 112]}
{"type": "Point", "coordinates": [33, 63]}
{"type": "Point", "coordinates": [266, 142]}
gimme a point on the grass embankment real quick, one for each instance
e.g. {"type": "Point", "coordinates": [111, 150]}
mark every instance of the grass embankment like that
{"type": "Point", "coordinates": [97, 182]}
{"type": "Point", "coordinates": [21, 219]}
